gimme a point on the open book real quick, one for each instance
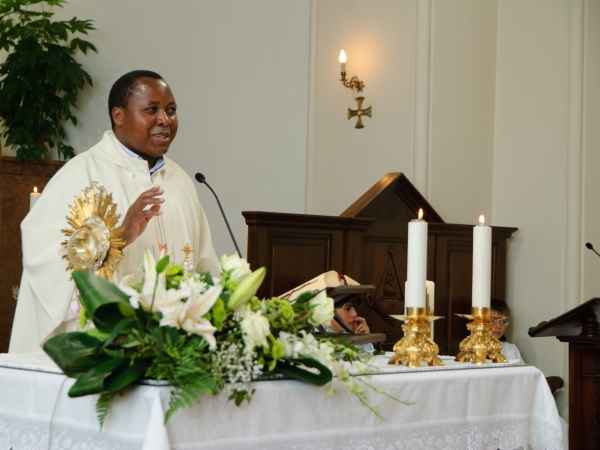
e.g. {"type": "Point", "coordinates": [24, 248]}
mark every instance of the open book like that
{"type": "Point", "coordinates": [329, 279]}
{"type": "Point", "coordinates": [341, 288]}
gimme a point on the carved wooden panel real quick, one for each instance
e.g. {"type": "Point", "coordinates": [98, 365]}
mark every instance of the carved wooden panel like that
{"type": "Point", "coordinates": [297, 257]}
{"type": "Point", "coordinates": [16, 183]}
{"type": "Point", "coordinates": [368, 242]}
{"type": "Point", "coordinates": [295, 248]}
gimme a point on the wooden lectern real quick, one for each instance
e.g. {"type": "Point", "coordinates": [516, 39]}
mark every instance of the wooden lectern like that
{"type": "Point", "coordinates": [580, 328]}
{"type": "Point", "coordinates": [368, 242]}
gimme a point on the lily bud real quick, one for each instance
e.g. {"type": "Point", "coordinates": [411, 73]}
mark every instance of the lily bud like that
{"type": "Point", "coordinates": [247, 288]}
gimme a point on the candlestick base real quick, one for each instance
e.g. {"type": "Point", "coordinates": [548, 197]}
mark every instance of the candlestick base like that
{"type": "Point", "coordinates": [480, 345]}
{"type": "Point", "coordinates": [416, 346]}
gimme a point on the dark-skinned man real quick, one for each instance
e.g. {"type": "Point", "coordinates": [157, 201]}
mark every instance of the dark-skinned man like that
{"type": "Point", "coordinates": [156, 199]}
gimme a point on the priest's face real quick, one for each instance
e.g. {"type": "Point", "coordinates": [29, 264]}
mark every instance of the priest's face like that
{"type": "Point", "coordinates": [149, 123]}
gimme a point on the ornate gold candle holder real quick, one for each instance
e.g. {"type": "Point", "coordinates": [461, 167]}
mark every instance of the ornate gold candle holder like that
{"type": "Point", "coordinates": [480, 345]}
{"type": "Point", "coordinates": [416, 346]}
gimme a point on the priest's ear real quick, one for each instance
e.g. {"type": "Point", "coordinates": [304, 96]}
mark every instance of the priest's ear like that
{"type": "Point", "coordinates": [117, 116]}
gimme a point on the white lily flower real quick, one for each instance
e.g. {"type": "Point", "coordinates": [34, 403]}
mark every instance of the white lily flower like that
{"type": "Point", "coordinates": [171, 305]}
{"type": "Point", "coordinates": [134, 295]}
{"type": "Point", "coordinates": [247, 288]}
{"type": "Point", "coordinates": [322, 309]}
{"type": "Point", "coordinates": [293, 346]}
{"type": "Point", "coordinates": [239, 267]}
{"type": "Point", "coordinates": [255, 329]}
{"type": "Point", "coordinates": [190, 317]}
{"type": "Point", "coordinates": [125, 285]}
{"type": "Point", "coordinates": [194, 283]}
{"type": "Point", "coordinates": [150, 276]}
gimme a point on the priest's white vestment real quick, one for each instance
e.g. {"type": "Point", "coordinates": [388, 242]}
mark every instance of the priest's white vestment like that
{"type": "Point", "coordinates": [46, 289]}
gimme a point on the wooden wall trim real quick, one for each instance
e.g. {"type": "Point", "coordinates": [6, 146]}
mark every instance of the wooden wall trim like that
{"type": "Point", "coordinates": [254, 218]}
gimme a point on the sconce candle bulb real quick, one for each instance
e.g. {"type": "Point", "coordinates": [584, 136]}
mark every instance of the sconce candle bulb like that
{"type": "Point", "coordinates": [343, 61]}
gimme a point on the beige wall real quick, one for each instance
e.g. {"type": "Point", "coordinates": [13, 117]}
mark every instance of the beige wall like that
{"type": "Point", "coordinates": [344, 161]}
{"type": "Point", "coordinates": [529, 168]}
{"type": "Point", "coordinates": [463, 76]}
{"type": "Point", "coordinates": [591, 211]}
{"type": "Point", "coordinates": [239, 72]}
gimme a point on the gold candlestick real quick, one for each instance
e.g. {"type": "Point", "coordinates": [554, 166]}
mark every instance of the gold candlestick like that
{"type": "Point", "coordinates": [416, 346]}
{"type": "Point", "coordinates": [480, 345]}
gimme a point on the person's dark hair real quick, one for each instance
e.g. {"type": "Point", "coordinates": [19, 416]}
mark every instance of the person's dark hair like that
{"type": "Point", "coordinates": [124, 89]}
{"type": "Point", "coordinates": [500, 306]}
{"type": "Point", "coordinates": [355, 301]}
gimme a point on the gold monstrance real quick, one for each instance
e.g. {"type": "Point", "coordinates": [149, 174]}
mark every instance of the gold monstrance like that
{"type": "Point", "coordinates": [94, 243]}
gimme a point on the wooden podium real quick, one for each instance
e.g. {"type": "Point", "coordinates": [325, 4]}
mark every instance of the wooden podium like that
{"type": "Point", "coordinates": [368, 242]}
{"type": "Point", "coordinates": [580, 328]}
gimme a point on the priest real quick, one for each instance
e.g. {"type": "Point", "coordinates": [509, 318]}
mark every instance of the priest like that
{"type": "Point", "coordinates": [156, 199]}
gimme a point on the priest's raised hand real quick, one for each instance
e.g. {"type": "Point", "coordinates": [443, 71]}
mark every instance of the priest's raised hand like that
{"type": "Point", "coordinates": [137, 216]}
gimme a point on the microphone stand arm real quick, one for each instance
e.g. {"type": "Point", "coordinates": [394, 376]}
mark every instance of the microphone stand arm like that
{"type": "Point", "coordinates": [225, 218]}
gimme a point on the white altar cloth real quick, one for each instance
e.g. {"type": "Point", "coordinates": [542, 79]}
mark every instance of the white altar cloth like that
{"type": "Point", "coordinates": [507, 407]}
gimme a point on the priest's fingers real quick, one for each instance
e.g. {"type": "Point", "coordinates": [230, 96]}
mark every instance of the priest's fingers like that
{"type": "Point", "coordinates": [137, 216]}
{"type": "Point", "coordinates": [149, 197]}
{"type": "Point", "coordinates": [151, 212]}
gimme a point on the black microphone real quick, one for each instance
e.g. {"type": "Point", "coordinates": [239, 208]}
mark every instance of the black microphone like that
{"type": "Point", "coordinates": [202, 180]}
{"type": "Point", "coordinates": [591, 247]}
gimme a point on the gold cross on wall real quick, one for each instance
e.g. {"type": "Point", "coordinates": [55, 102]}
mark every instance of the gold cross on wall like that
{"type": "Point", "coordinates": [359, 112]}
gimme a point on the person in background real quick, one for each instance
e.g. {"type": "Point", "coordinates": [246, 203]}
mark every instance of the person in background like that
{"type": "Point", "coordinates": [500, 312]}
{"type": "Point", "coordinates": [347, 312]}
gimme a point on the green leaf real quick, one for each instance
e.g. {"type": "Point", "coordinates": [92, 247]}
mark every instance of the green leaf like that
{"type": "Point", "coordinates": [123, 325]}
{"type": "Point", "coordinates": [162, 264]}
{"type": "Point", "coordinates": [96, 333]}
{"type": "Point", "coordinates": [97, 291]}
{"type": "Point", "coordinates": [125, 376]}
{"type": "Point", "coordinates": [74, 353]}
{"type": "Point", "coordinates": [306, 296]}
{"type": "Point", "coordinates": [290, 368]}
{"type": "Point", "coordinates": [102, 406]}
{"type": "Point", "coordinates": [92, 381]}
{"type": "Point", "coordinates": [104, 301]}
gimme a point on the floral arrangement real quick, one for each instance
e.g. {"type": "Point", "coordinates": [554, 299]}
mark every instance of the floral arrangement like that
{"type": "Point", "coordinates": [199, 334]}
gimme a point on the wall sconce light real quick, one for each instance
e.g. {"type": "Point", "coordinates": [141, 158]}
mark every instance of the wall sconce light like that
{"type": "Point", "coordinates": [354, 83]}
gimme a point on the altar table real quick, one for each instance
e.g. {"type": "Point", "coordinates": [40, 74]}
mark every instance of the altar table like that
{"type": "Point", "coordinates": [504, 407]}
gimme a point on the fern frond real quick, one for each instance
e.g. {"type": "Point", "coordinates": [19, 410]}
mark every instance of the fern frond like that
{"type": "Point", "coordinates": [102, 406]}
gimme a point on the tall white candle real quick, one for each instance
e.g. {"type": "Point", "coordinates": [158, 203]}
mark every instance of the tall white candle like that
{"type": "Point", "coordinates": [416, 263]}
{"type": "Point", "coordinates": [482, 264]}
{"type": "Point", "coordinates": [33, 198]}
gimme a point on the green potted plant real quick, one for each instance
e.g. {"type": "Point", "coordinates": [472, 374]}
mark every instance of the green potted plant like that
{"type": "Point", "coordinates": [40, 79]}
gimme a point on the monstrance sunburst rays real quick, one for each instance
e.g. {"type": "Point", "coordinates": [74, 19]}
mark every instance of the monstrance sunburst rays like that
{"type": "Point", "coordinates": [94, 243]}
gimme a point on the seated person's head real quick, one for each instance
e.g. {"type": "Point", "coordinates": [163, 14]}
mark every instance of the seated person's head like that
{"type": "Point", "coordinates": [347, 312]}
{"type": "Point", "coordinates": [500, 312]}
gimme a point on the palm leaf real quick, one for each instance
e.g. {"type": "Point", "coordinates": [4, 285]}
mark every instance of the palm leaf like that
{"type": "Point", "coordinates": [75, 353]}
{"type": "Point", "coordinates": [293, 370]}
